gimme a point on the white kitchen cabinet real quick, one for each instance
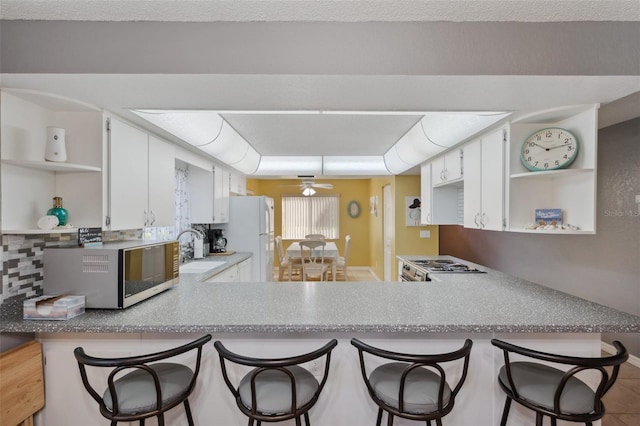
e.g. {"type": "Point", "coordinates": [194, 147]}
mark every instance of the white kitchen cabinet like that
{"type": "Point", "coordinates": [237, 183]}
{"type": "Point", "coordinates": [141, 178]}
{"type": "Point", "coordinates": [29, 183]}
{"type": "Point", "coordinates": [425, 194]}
{"type": "Point", "coordinates": [228, 275]}
{"type": "Point", "coordinates": [439, 204]}
{"type": "Point", "coordinates": [201, 189]}
{"type": "Point", "coordinates": [447, 168]}
{"type": "Point", "coordinates": [162, 204]}
{"type": "Point", "coordinates": [220, 195]}
{"type": "Point", "coordinates": [244, 271]}
{"type": "Point", "coordinates": [484, 181]}
{"type": "Point", "coordinates": [573, 189]}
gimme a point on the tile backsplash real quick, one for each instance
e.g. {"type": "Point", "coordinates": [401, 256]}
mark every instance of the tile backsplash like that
{"type": "Point", "coordinates": [22, 257]}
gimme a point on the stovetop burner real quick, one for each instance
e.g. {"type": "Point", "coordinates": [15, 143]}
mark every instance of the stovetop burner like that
{"type": "Point", "coordinates": [443, 265]}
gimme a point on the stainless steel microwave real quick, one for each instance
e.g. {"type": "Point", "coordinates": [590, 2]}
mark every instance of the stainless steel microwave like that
{"type": "Point", "coordinates": [114, 275]}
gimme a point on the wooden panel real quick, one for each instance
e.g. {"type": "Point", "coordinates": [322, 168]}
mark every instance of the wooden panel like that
{"type": "Point", "coordinates": [22, 384]}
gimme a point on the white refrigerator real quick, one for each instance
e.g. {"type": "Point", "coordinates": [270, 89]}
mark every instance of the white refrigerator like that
{"type": "Point", "coordinates": [250, 229]}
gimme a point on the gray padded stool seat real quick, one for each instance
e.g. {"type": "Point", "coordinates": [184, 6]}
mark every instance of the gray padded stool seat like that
{"type": "Point", "coordinates": [273, 389]}
{"type": "Point", "coordinates": [537, 383]}
{"type": "Point", "coordinates": [136, 391]}
{"type": "Point", "coordinates": [412, 386]}
{"type": "Point", "coordinates": [276, 389]}
{"type": "Point", "coordinates": [140, 387]}
{"type": "Point", "coordinates": [554, 392]}
{"type": "Point", "coordinates": [421, 387]}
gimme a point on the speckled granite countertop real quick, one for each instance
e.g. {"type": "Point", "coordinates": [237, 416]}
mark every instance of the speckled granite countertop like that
{"type": "Point", "coordinates": [458, 303]}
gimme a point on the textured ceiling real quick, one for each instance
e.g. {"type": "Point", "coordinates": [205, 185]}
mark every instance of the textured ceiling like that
{"type": "Point", "coordinates": [323, 10]}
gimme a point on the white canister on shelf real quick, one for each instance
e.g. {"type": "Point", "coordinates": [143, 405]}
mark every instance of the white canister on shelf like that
{"type": "Point", "coordinates": [56, 149]}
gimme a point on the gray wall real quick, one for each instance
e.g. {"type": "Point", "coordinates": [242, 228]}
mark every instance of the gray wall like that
{"type": "Point", "coordinates": [605, 267]}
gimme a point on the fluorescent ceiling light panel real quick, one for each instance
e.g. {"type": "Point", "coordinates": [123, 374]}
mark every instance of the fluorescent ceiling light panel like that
{"type": "Point", "coordinates": [414, 147]}
{"type": "Point", "coordinates": [354, 165]}
{"type": "Point", "coordinates": [448, 129]}
{"type": "Point", "coordinates": [273, 165]}
{"type": "Point", "coordinates": [394, 163]}
{"type": "Point", "coordinates": [249, 163]}
{"type": "Point", "coordinates": [194, 127]}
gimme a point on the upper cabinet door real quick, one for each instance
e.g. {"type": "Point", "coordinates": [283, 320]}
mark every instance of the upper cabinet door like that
{"type": "Point", "coordinates": [425, 194]}
{"type": "Point", "coordinates": [472, 185]}
{"type": "Point", "coordinates": [484, 182]}
{"type": "Point", "coordinates": [492, 214]}
{"type": "Point", "coordinates": [201, 190]}
{"type": "Point", "coordinates": [161, 211]}
{"type": "Point", "coordinates": [128, 171]}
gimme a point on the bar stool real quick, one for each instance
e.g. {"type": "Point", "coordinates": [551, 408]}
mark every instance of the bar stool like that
{"type": "Point", "coordinates": [551, 392]}
{"type": "Point", "coordinates": [276, 389]}
{"type": "Point", "coordinates": [137, 390]}
{"type": "Point", "coordinates": [413, 386]}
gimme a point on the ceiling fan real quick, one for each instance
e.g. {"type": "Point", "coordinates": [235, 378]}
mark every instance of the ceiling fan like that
{"type": "Point", "coordinates": [308, 184]}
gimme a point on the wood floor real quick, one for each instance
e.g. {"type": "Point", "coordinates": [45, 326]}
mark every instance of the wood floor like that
{"type": "Point", "coordinates": [622, 401]}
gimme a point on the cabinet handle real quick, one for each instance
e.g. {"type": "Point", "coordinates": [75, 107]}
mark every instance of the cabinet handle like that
{"type": "Point", "coordinates": [444, 174]}
{"type": "Point", "coordinates": [476, 218]}
{"type": "Point", "coordinates": [428, 217]}
{"type": "Point", "coordinates": [483, 220]}
{"type": "Point", "coordinates": [153, 217]}
{"type": "Point", "coordinates": [146, 218]}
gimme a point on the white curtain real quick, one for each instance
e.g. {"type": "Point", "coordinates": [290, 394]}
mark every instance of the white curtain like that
{"type": "Point", "coordinates": [310, 215]}
{"type": "Point", "coordinates": [183, 216]}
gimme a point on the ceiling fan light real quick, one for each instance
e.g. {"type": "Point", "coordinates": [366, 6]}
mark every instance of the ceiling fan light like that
{"type": "Point", "coordinates": [308, 192]}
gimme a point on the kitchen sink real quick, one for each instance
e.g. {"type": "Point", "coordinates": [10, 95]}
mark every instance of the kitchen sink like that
{"type": "Point", "coordinates": [196, 267]}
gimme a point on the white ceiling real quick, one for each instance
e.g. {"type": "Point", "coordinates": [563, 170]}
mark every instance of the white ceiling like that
{"type": "Point", "coordinates": [240, 91]}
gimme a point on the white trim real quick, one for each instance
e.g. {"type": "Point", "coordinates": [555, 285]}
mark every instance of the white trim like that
{"type": "Point", "coordinates": [633, 360]}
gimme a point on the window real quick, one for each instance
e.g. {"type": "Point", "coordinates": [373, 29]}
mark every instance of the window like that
{"type": "Point", "coordinates": [310, 215]}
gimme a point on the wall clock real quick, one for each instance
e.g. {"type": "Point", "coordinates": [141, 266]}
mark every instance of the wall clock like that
{"type": "Point", "coordinates": [353, 208]}
{"type": "Point", "coordinates": [549, 149]}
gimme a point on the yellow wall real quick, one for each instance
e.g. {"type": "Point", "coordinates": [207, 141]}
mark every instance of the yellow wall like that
{"type": "Point", "coordinates": [408, 239]}
{"type": "Point", "coordinates": [367, 245]}
{"type": "Point", "coordinates": [348, 189]}
{"type": "Point", "coordinates": [405, 240]}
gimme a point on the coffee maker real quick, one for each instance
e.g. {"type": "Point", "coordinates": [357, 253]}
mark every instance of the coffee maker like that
{"type": "Point", "coordinates": [217, 241]}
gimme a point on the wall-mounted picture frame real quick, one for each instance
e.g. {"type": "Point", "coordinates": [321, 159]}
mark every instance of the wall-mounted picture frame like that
{"type": "Point", "coordinates": [373, 205]}
{"type": "Point", "coordinates": [353, 208]}
{"type": "Point", "coordinates": [413, 210]}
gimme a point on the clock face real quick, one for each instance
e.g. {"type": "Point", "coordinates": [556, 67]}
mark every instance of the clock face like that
{"type": "Point", "coordinates": [549, 149]}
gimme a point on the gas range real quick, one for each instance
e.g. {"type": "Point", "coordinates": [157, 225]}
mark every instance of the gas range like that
{"type": "Point", "coordinates": [419, 269]}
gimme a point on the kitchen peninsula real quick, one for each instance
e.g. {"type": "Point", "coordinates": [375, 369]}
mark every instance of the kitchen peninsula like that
{"type": "Point", "coordinates": [285, 318]}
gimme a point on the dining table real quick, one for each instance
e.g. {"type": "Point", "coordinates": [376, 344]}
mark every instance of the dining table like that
{"type": "Point", "coordinates": [330, 253]}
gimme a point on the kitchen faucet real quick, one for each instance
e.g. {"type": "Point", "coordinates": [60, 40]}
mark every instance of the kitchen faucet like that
{"type": "Point", "coordinates": [198, 243]}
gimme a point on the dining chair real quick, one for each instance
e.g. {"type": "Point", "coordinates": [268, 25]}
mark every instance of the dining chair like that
{"type": "Point", "coordinates": [276, 389]}
{"type": "Point", "coordinates": [313, 260]}
{"type": "Point", "coordinates": [314, 237]}
{"type": "Point", "coordinates": [341, 261]}
{"type": "Point", "coordinates": [140, 387]}
{"type": "Point", "coordinates": [554, 392]}
{"type": "Point", "coordinates": [412, 386]}
{"type": "Point", "coordinates": [285, 262]}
